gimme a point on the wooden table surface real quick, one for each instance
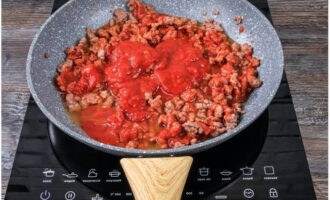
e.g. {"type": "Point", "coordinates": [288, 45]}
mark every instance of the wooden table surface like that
{"type": "Point", "coordinates": [301, 24]}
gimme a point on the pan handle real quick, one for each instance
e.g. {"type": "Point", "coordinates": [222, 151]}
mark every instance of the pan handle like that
{"type": "Point", "coordinates": [157, 178]}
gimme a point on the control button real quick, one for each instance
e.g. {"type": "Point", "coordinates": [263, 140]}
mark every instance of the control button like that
{"type": "Point", "coordinates": [114, 173]}
{"type": "Point", "coordinates": [201, 193]}
{"type": "Point", "coordinates": [248, 193]}
{"type": "Point", "coordinates": [70, 195]}
{"type": "Point", "coordinates": [48, 173]}
{"type": "Point", "coordinates": [269, 170]}
{"type": "Point", "coordinates": [220, 197]}
{"type": "Point", "coordinates": [204, 171]}
{"type": "Point", "coordinates": [226, 173]}
{"type": "Point", "coordinates": [97, 197]}
{"type": "Point", "coordinates": [92, 173]}
{"type": "Point", "coordinates": [71, 175]}
{"type": "Point", "coordinates": [129, 194]}
{"type": "Point", "coordinates": [273, 193]}
{"type": "Point", "coordinates": [115, 194]}
{"type": "Point", "coordinates": [45, 195]}
{"type": "Point", "coordinates": [247, 171]}
{"type": "Point", "coordinates": [189, 193]}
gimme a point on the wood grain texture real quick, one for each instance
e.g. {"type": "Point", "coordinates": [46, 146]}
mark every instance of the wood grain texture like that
{"type": "Point", "coordinates": [302, 26]}
{"type": "Point", "coordinates": [157, 178]}
{"type": "Point", "coordinates": [20, 21]}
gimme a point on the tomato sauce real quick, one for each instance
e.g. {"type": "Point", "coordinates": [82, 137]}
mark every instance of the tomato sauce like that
{"type": "Point", "coordinates": [172, 67]}
{"type": "Point", "coordinates": [181, 66]}
{"type": "Point", "coordinates": [150, 80]}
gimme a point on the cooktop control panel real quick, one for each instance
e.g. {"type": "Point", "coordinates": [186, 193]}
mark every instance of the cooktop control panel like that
{"type": "Point", "coordinates": [249, 187]}
{"type": "Point", "coordinates": [50, 179]}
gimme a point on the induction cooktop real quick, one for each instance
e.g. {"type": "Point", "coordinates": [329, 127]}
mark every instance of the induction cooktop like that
{"type": "Point", "coordinates": [266, 161]}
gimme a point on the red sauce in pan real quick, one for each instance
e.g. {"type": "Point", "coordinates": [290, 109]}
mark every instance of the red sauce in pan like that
{"type": "Point", "coordinates": [181, 66]}
{"type": "Point", "coordinates": [151, 80]}
{"type": "Point", "coordinates": [178, 66]}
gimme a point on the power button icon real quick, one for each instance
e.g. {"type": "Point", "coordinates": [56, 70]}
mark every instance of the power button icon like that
{"type": "Point", "coordinates": [70, 195]}
{"type": "Point", "coordinates": [45, 195]}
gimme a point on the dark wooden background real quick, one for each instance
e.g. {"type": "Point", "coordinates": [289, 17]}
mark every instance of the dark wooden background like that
{"type": "Point", "coordinates": [302, 26]}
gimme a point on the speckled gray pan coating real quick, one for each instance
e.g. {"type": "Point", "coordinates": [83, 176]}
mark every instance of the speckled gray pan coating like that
{"type": "Point", "coordinates": [68, 24]}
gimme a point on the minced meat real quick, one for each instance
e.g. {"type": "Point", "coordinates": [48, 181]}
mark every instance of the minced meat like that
{"type": "Point", "coordinates": [149, 80]}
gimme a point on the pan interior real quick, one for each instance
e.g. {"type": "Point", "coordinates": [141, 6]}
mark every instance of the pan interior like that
{"type": "Point", "coordinates": [65, 27]}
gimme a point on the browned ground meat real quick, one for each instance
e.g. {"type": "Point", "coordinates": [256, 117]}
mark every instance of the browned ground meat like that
{"type": "Point", "coordinates": [238, 19]}
{"type": "Point", "coordinates": [215, 12]}
{"type": "Point", "coordinates": [210, 108]}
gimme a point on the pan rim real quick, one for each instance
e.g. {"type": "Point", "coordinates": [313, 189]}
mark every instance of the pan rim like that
{"type": "Point", "coordinates": [120, 151]}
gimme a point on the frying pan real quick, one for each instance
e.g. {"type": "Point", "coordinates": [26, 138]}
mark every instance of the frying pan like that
{"type": "Point", "coordinates": [68, 24]}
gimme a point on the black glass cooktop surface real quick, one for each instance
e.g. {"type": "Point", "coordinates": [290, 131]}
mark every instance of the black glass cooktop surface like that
{"type": "Point", "coordinates": [266, 161]}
